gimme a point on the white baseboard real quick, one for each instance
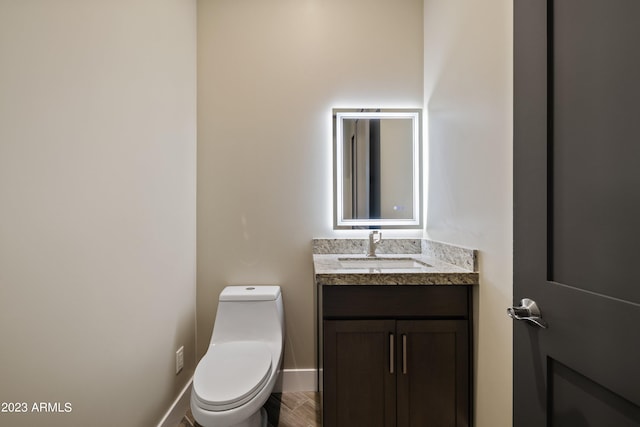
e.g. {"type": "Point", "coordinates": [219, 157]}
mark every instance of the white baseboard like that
{"type": "Point", "coordinates": [296, 380]}
{"type": "Point", "coordinates": [173, 407]}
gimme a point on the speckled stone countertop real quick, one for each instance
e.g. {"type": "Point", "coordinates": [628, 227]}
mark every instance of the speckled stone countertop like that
{"type": "Point", "coordinates": [446, 264]}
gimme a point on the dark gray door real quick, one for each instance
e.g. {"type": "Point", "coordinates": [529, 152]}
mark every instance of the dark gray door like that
{"type": "Point", "coordinates": [577, 212]}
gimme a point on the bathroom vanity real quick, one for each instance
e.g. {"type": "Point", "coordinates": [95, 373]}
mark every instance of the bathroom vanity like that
{"type": "Point", "coordinates": [394, 334]}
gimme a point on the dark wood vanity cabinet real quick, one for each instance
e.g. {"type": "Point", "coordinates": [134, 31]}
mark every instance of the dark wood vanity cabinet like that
{"type": "Point", "coordinates": [395, 356]}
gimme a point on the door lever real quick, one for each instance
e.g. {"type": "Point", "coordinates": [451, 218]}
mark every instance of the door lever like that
{"type": "Point", "coordinates": [529, 311]}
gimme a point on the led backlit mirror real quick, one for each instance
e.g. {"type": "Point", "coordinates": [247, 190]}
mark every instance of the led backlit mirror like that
{"type": "Point", "coordinates": [377, 168]}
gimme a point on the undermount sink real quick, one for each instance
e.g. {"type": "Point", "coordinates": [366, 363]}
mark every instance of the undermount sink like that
{"type": "Point", "coordinates": [382, 263]}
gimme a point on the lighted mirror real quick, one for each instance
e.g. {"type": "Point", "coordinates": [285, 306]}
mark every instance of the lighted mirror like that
{"type": "Point", "coordinates": [377, 168]}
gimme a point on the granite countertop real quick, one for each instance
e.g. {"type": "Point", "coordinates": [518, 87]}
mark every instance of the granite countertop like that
{"type": "Point", "coordinates": [329, 270]}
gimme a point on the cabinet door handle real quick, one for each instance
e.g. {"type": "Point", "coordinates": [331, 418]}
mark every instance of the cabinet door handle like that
{"type": "Point", "coordinates": [391, 352]}
{"type": "Point", "coordinates": [404, 353]}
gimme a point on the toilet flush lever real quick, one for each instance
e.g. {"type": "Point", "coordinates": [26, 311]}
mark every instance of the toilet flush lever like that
{"type": "Point", "coordinates": [529, 311]}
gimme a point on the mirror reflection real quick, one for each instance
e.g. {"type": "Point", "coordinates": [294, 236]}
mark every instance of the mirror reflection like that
{"type": "Point", "coordinates": [377, 168]}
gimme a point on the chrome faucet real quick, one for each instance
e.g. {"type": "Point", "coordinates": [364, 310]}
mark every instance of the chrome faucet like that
{"type": "Point", "coordinates": [373, 242]}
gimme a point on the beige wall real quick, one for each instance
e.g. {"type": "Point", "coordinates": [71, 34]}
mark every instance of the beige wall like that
{"type": "Point", "coordinates": [468, 90]}
{"type": "Point", "coordinates": [97, 208]}
{"type": "Point", "coordinates": [268, 75]}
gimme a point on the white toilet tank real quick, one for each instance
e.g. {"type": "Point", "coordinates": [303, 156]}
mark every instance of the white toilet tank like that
{"type": "Point", "coordinates": [249, 313]}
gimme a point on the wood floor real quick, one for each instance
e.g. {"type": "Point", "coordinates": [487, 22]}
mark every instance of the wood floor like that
{"type": "Point", "coordinates": [284, 410]}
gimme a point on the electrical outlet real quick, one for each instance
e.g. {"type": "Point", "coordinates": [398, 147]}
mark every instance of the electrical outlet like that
{"type": "Point", "coordinates": [179, 359]}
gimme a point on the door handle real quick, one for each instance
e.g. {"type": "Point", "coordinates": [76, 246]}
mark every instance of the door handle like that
{"type": "Point", "coordinates": [529, 311]}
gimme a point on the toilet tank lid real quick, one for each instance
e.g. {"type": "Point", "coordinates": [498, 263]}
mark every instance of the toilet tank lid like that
{"type": "Point", "coordinates": [250, 293]}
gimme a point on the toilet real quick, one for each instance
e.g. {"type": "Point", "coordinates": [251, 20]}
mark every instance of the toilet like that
{"type": "Point", "coordinates": [237, 374]}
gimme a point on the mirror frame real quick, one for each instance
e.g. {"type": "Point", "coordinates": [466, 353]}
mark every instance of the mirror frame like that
{"type": "Point", "coordinates": [339, 115]}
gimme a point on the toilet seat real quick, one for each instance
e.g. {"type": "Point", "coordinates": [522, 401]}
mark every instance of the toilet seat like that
{"type": "Point", "coordinates": [231, 374]}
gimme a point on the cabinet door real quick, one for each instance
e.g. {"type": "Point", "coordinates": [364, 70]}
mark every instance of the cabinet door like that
{"type": "Point", "coordinates": [433, 373]}
{"type": "Point", "coordinates": [359, 373]}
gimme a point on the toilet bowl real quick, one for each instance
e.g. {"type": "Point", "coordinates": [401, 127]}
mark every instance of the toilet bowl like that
{"type": "Point", "coordinates": [237, 374]}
